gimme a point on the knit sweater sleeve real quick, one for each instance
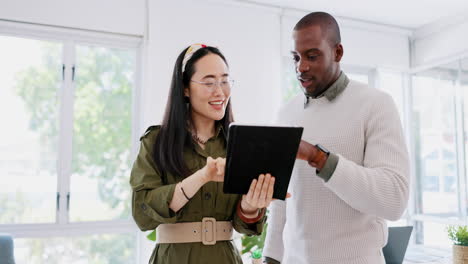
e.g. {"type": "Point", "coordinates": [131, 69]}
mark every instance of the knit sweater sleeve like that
{"type": "Point", "coordinates": [380, 186]}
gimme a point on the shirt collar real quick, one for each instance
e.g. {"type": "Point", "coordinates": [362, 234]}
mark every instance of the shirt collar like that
{"type": "Point", "coordinates": [336, 88]}
{"type": "Point", "coordinates": [218, 129]}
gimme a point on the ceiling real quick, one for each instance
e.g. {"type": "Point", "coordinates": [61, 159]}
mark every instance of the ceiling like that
{"type": "Point", "coordinates": [401, 13]}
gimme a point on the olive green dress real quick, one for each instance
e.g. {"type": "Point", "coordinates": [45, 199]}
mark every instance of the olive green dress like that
{"type": "Point", "coordinates": [151, 198]}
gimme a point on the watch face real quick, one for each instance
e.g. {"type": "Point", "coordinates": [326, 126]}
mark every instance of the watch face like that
{"type": "Point", "coordinates": [322, 148]}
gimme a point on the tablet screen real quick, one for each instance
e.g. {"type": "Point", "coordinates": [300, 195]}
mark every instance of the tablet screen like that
{"type": "Point", "coordinates": [253, 150]}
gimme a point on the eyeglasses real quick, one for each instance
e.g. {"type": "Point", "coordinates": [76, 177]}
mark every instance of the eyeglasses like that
{"type": "Point", "coordinates": [211, 85]}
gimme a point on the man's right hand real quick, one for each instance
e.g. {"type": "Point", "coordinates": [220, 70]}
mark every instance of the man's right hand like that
{"type": "Point", "coordinates": [306, 151]}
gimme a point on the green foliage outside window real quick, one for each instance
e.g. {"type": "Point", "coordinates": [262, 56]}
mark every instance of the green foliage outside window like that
{"type": "Point", "coordinates": [101, 143]}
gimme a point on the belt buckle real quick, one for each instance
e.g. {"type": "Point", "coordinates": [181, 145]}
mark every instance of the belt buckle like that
{"type": "Point", "coordinates": [208, 232]}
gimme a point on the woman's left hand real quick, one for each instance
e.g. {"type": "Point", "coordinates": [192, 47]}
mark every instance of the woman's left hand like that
{"type": "Point", "coordinates": [260, 194]}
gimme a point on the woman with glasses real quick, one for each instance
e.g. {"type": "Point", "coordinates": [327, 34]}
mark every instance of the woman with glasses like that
{"type": "Point", "coordinates": [178, 174]}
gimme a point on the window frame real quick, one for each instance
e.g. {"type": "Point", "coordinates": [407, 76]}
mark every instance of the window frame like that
{"type": "Point", "coordinates": [462, 192]}
{"type": "Point", "coordinates": [70, 38]}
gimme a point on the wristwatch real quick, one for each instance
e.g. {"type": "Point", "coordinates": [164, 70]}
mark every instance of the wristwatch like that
{"type": "Point", "coordinates": [321, 157]}
{"type": "Point", "coordinates": [323, 149]}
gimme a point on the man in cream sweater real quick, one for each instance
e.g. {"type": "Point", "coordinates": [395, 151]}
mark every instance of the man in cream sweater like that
{"type": "Point", "coordinates": [353, 167]}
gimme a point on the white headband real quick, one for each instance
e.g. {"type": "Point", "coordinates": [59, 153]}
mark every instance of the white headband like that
{"type": "Point", "coordinates": [190, 51]}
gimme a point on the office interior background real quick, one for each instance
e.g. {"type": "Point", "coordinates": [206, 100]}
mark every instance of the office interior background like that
{"type": "Point", "coordinates": [80, 81]}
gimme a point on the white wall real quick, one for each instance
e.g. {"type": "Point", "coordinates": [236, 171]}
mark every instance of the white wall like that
{"type": "Point", "coordinates": [365, 44]}
{"type": "Point", "coordinates": [251, 36]}
{"type": "Point", "coordinates": [248, 36]}
{"type": "Point", "coordinates": [440, 42]}
{"type": "Point", "coordinates": [117, 16]}
{"type": "Point", "coordinates": [254, 39]}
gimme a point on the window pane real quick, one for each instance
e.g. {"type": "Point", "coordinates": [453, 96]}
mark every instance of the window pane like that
{"type": "Point", "coordinates": [464, 87]}
{"type": "Point", "coordinates": [30, 82]}
{"type": "Point", "coordinates": [432, 234]}
{"type": "Point", "coordinates": [291, 85]}
{"type": "Point", "coordinates": [96, 249]}
{"type": "Point", "coordinates": [435, 139]}
{"type": "Point", "coordinates": [364, 78]}
{"type": "Point", "coordinates": [392, 83]}
{"type": "Point", "coordinates": [102, 134]}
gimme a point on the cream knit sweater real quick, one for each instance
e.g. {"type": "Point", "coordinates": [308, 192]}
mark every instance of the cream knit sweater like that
{"type": "Point", "coordinates": [342, 220]}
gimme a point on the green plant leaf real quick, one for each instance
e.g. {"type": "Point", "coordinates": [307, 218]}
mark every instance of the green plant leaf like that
{"type": "Point", "coordinates": [257, 254]}
{"type": "Point", "coordinates": [250, 243]}
{"type": "Point", "coordinates": [152, 236]}
{"type": "Point", "coordinates": [458, 234]}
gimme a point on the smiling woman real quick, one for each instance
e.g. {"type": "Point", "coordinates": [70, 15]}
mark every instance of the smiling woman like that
{"type": "Point", "coordinates": [177, 178]}
{"type": "Point", "coordinates": [207, 102]}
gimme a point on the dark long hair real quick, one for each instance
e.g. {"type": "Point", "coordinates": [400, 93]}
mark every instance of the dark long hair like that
{"type": "Point", "coordinates": [174, 136]}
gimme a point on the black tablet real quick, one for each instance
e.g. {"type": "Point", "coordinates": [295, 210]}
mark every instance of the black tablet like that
{"type": "Point", "coordinates": [253, 150]}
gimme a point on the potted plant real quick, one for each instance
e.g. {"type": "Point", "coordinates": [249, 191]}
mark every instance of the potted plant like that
{"type": "Point", "coordinates": [254, 245]}
{"type": "Point", "coordinates": [459, 236]}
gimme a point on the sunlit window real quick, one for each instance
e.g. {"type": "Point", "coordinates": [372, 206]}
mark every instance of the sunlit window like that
{"type": "Point", "coordinates": [65, 149]}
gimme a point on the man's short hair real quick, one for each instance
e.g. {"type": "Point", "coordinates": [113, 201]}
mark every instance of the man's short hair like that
{"type": "Point", "coordinates": [326, 22]}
